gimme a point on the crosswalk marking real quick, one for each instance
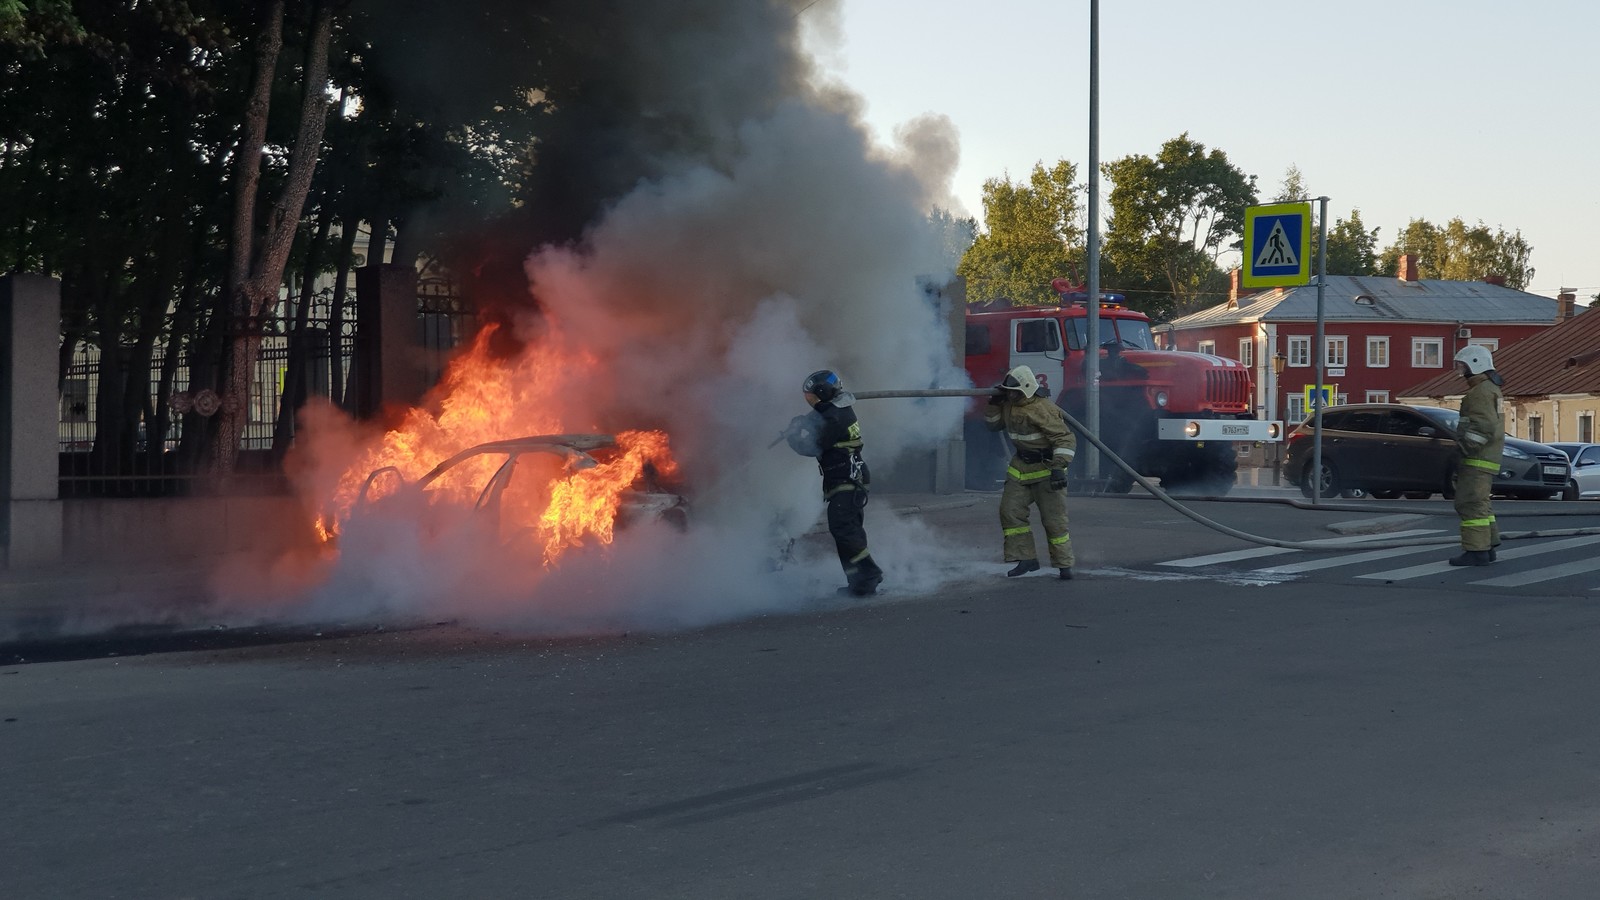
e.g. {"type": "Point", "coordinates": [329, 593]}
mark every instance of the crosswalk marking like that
{"type": "Point", "coordinates": [1548, 573]}
{"type": "Point", "coordinates": [1345, 559]}
{"type": "Point", "coordinates": [1195, 562]}
{"type": "Point", "coordinates": [1436, 568]}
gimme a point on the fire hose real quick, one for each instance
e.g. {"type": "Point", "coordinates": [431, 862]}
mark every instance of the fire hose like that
{"type": "Point", "coordinates": [1166, 498]}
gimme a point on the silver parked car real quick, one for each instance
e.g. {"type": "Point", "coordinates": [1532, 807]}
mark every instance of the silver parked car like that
{"type": "Point", "coordinates": [1584, 483]}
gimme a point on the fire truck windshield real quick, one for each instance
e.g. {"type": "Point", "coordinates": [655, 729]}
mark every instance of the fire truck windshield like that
{"type": "Point", "coordinates": [1131, 333]}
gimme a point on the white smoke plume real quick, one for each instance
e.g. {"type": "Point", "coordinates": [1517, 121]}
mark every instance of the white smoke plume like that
{"type": "Point", "coordinates": [707, 294]}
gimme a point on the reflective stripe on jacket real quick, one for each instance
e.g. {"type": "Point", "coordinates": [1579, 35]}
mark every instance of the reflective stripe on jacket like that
{"type": "Point", "coordinates": [1034, 424]}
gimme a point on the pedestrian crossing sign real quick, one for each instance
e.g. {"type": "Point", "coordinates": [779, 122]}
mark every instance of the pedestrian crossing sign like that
{"type": "Point", "coordinates": [1324, 397]}
{"type": "Point", "coordinates": [1277, 245]}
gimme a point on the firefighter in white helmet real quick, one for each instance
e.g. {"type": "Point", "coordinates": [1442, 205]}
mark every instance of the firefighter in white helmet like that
{"type": "Point", "coordinates": [1037, 473]}
{"type": "Point", "coordinates": [1481, 435]}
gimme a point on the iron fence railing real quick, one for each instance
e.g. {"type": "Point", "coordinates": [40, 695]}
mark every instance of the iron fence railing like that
{"type": "Point", "coordinates": [147, 465]}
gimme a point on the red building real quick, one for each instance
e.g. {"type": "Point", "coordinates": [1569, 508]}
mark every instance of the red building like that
{"type": "Point", "coordinates": [1382, 335]}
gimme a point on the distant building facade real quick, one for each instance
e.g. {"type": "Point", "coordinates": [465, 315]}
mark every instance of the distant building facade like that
{"type": "Point", "coordinates": [1381, 335]}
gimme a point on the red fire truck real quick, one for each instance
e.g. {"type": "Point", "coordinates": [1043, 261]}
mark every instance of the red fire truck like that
{"type": "Point", "coordinates": [1172, 415]}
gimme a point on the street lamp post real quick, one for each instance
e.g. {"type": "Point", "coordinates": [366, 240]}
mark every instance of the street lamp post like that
{"type": "Point", "coordinates": [1278, 362]}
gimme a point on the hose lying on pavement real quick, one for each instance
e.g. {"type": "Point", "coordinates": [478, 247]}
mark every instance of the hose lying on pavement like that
{"type": "Point", "coordinates": [1166, 498]}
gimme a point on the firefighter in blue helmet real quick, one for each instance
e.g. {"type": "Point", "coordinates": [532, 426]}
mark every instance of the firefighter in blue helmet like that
{"type": "Point", "coordinates": [831, 434]}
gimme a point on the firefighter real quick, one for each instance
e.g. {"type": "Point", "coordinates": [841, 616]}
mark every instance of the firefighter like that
{"type": "Point", "coordinates": [1481, 434]}
{"type": "Point", "coordinates": [1037, 473]}
{"type": "Point", "coordinates": [831, 434]}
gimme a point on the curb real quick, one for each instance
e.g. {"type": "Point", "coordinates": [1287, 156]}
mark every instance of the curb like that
{"type": "Point", "coordinates": [1380, 525]}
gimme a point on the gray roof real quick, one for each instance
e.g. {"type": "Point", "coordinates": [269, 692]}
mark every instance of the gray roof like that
{"type": "Point", "coordinates": [1392, 300]}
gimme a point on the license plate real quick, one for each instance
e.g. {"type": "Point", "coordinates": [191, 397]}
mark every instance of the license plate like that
{"type": "Point", "coordinates": [1559, 471]}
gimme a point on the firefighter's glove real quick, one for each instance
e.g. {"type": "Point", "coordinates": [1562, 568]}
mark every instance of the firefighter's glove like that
{"type": "Point", "coordinates": [1058, 479]}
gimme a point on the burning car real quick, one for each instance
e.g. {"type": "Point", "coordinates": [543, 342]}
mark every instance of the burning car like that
{"type": "Point", "coordinates": [551, 490]}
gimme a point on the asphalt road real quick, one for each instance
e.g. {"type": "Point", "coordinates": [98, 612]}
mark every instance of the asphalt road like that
{"type": "Point", "coordinates": [1109, 737]}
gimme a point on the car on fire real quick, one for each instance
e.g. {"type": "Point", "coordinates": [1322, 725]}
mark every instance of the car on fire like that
{"type": "Point", "coordinates": [1390, 449]}
{"type": "Point", "coordinates": [511, 464]}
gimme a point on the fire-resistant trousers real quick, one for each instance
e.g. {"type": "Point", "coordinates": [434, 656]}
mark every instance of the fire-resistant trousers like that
{"type": "Point", "coordinates": [1015, 499]}
{"type": "Point", "coordinates": [846, 522]}
{"type": "Point", "coordinates": [1479, 531]}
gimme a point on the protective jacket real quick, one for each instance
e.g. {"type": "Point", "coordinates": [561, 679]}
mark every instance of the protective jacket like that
{"type": "Point", "coordinates": [1041, 436]}
{"type": "Point", "coordinates": [831, 433]}
{"type": "Point", "coordinates": [1482, 429]}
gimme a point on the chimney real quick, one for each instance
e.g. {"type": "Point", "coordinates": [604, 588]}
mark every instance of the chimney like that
{"type": "Point", "coordinates": [1408, 267]}
{"type": "Point", "coordinates": [1565, 302]}
{"type": "Point", "coordinates": [1234, 276]}
{"type": "Point", "coordinates": [1496, 280]}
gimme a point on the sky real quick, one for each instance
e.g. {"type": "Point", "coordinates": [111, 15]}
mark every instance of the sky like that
{"type": "Point", "coordinates": [1402, 109]}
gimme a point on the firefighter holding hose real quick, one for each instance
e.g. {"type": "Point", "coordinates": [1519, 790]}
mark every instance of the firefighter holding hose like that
{"type": "Point", "coordinates": [1037, 473]}
{"type": "Point", "coordinates": [1481, 435]}
{"type": "Point", "coordinates": [831, 434]}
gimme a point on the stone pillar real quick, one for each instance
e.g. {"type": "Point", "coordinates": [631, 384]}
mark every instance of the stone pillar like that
{"type": "Point", "coordinates": [387, 369]}
{"type": "Point", "coordinates": [30, 335]}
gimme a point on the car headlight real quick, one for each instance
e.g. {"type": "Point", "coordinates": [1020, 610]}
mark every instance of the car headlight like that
{"type": "Point", "coordinates": [1161, 399]}
{"type": "Point", "coordinates": [1192, 429]}
{"type": "Point", "coordinates": [1514, 453]}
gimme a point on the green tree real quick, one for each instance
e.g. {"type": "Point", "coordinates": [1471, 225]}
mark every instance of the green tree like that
{"type": "Point", "coordinates": [1459, 252]}
{"type": "Point", "coordinates": [1172, 216]}
{"type": "Point", "coordinates": [1352, 249]}
{"type": "Point", "coordinates": [1033, 235]}
{"type": "Point", "coordinates": [1294, 186]}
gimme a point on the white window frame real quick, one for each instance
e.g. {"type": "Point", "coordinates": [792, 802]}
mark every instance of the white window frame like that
{"type": "Point", "coordinates": [1535, 423]}
{"type": "Point", "coordinates": [1247, 351]}
{"type": "Point", "coordinates": [1382, 342]}
{"type": "Point", "coordinates": [1585, 418]}
{"type": "Point", "coordinates": [1207, 347]}
{"type": "Point", "coordinates": [1299, 351]}
{"type": "Point", "coordinates": [1490, 344]}
{"type": "Point", "coordinates": [1419, 345]}
{"type": "Point", "coordinates": [1377, 397]}
{"type": "Point", "coordinates": [1340, 399]}
{"type": "Point", "coordinates": [1332, 360]}
{"type": "Point", "coordinates": [1295, 406]}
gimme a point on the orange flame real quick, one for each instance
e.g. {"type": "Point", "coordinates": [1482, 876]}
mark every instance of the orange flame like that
{"type": "Point", "coordinates": [482, 399]}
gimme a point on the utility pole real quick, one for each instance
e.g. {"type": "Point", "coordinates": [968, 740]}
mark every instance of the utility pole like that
{"type": "Point", "coordinates": [1091, 356]}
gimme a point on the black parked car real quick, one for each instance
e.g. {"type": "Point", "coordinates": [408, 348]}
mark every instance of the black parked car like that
{"type": "Point", "coordinates": [1390, 449]}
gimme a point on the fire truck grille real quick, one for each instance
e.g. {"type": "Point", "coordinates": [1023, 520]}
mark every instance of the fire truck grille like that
{"type": "Point", "coordinates": [1229, 389]}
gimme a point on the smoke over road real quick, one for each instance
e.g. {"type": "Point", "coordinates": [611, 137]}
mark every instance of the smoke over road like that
{"type": "Point", "coordinates": [763, 235]}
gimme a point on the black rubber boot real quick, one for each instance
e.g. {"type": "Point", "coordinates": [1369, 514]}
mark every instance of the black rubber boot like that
{"type": "Point", "coordinates": [1494, 553]}
{"type": "Point", "coordinates": [1473, 558]}
{"type": "Point", "coordinates": [1066, 574]}
{"type": "Point", "coordinates": [1023, 568]}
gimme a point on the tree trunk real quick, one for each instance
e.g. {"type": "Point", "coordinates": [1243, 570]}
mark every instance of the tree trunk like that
{"type": "Point", "coordinates": [341, 283]}
{"type": "Point", "coordinates": [253, 295]}
{"type": "Point", "coordinates": [294, 380]}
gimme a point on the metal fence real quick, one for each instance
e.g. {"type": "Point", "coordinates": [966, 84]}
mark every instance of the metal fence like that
{"type": "Point", "coordinates": [151, 468]}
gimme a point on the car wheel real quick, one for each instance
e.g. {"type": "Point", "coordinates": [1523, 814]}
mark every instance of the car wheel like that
{"type": "Point", "coordinates": [1449, 489]}
{"type": "Point", "coordinates": [1417, 495]}
{"type": "Point", "coordinates": [1385, 495]}
{"type": "Point", "coordinates": [1571, 492]}
{"type": "Point", "coordinates": [1330, 480]}
{"type": "Point", "coordinates": [1354, 493]}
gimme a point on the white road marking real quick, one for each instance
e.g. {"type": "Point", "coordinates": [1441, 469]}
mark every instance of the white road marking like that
{"type": "Point", "coordinates": [1345, 559]}
{"type": "Point", "coordinates": [1195, 562]}
{"type": "Point", "coordinates": [1548, 573]}
{"type": "Point", "coordinates": [1518, 553]}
